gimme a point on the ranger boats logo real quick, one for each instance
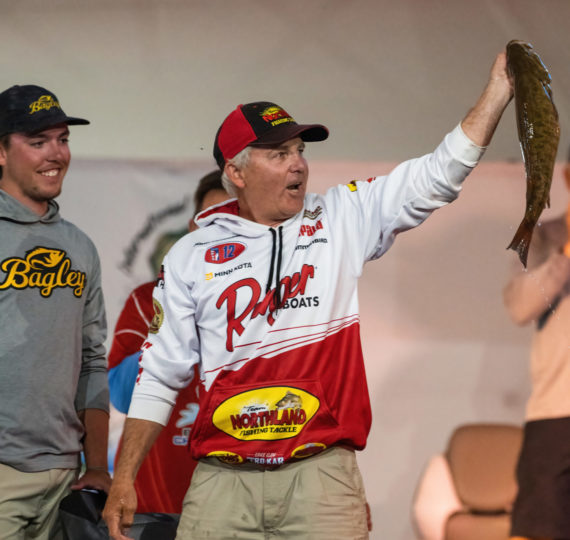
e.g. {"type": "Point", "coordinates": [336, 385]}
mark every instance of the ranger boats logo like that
{"type": "Point", "coordinates": [263, 414]}
{"type": "Point", "coordinates": [290, 286]}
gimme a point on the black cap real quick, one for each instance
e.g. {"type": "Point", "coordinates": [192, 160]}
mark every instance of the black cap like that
{"type": "Point", "coordinates": [260, 124]}
{"type": "Point", "coordinates": [29, 109]}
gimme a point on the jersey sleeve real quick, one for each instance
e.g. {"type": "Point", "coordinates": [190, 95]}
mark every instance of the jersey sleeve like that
{"type": "Point", "coordinates": [172, 347]}
{"type": "Point", "coordinates": [380, 208]}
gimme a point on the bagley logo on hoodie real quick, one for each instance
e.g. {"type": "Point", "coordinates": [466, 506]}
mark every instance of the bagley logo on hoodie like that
{"type": "Point", "coordinates": [290, 286]}
{"type": "Point", "coordinates": [42, 268]}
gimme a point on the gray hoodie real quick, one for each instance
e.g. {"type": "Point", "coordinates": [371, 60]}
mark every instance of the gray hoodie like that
{"type": "Point", "coordinates": [52, 330]}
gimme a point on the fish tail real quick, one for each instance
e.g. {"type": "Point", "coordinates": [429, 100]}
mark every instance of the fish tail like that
{"type": "Point", "coordinates": [521, 241]}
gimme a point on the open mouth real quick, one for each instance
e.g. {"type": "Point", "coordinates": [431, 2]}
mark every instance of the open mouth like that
{"type": "Point", "coordinates": [295, 187]}
{"type": "Point", "coordinates": [51, 172]}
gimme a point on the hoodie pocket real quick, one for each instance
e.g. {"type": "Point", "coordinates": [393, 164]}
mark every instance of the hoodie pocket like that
{"type": "Point", "coordinates": [278, 410]}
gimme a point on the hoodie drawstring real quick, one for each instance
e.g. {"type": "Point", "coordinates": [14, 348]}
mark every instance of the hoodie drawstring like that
{"type": "Point", "coordinates": [279, 250]}
{"type": "Point", "coordinates": [278, 274]}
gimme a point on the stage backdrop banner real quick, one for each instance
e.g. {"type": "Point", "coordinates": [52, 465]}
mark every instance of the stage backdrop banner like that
{"type": "Point", "coordinates": [438, 345]}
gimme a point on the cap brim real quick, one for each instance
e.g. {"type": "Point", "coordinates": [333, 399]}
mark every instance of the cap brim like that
{"type": "Point", "coordinates": [307, 132]}
{"type": "Point", "coordinates": [72, 121]}
{"type": "Point", "coordinates": [47, 122]}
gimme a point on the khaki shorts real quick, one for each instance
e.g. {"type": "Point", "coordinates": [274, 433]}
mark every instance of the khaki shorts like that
{"type": "Point", "coordinates": [29, 502]}
{"type": "Point", "coordinates": [321, 497]}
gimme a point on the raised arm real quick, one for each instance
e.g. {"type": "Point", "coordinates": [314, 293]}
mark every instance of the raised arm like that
{"type": "Point", "coordinates": [481, 121]}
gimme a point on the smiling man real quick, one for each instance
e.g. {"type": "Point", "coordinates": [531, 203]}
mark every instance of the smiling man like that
{"type": "Point", "coordinates": [53, 382]}
{"type": "Point", "coordinates": [263, 298]}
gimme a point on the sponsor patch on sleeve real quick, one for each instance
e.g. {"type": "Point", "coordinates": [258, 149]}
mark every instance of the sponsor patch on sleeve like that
{"type": "Point", "coordinates": [352, 185]}
{"type": "Point", "coordinates": [157, 318]}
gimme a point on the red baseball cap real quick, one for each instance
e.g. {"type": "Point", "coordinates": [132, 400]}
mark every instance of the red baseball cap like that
{"type": "Point", "coordinates": [260, 124]}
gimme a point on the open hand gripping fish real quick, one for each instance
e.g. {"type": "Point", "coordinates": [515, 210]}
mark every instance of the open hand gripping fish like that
{"type": "Point", "coordinates": [538, 131]}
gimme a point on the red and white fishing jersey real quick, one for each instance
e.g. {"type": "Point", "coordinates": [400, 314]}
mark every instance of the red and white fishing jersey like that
{"type": "Point", "coordinates": [271, 314]}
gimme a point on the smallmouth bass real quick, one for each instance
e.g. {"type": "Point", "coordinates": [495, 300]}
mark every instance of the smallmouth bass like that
{"type": "Point", "coordinates": [538, 132]}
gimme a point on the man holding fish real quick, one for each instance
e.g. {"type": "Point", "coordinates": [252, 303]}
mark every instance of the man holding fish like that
{"type": "Point", "coordinates": [275, 332]}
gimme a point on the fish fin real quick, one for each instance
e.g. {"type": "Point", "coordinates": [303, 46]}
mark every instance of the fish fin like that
{"type": "Point", "coordinates": [521, 241]}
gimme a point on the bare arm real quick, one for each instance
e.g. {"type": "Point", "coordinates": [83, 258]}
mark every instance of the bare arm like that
{"type": "Point", "coordinates": [96, 423]}
{"type": "Point", "coordinates": [529, 294]}
{"type": "Point", "coordinates": [482, 120]}
{"type": "Point", "coordinates": [138, 437]}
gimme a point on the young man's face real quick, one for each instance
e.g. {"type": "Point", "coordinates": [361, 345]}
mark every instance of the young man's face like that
{"type": "Point", "coordinates": [273, 183]}
{"type": "Point", "coordinates": [33, 166]}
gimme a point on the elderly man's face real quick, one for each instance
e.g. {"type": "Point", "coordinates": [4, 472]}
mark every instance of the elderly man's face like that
{"type": "Point", "coordinates": [273, 184]}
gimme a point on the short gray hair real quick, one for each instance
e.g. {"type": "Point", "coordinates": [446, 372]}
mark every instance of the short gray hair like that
{"type": "Point", "coordinates": [240, 160]}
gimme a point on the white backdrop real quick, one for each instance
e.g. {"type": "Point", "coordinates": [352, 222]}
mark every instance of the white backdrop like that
{"type": "Point", "coordinates": [388, 78]}
{"type": "Point", "coordinates": [156, 77]}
